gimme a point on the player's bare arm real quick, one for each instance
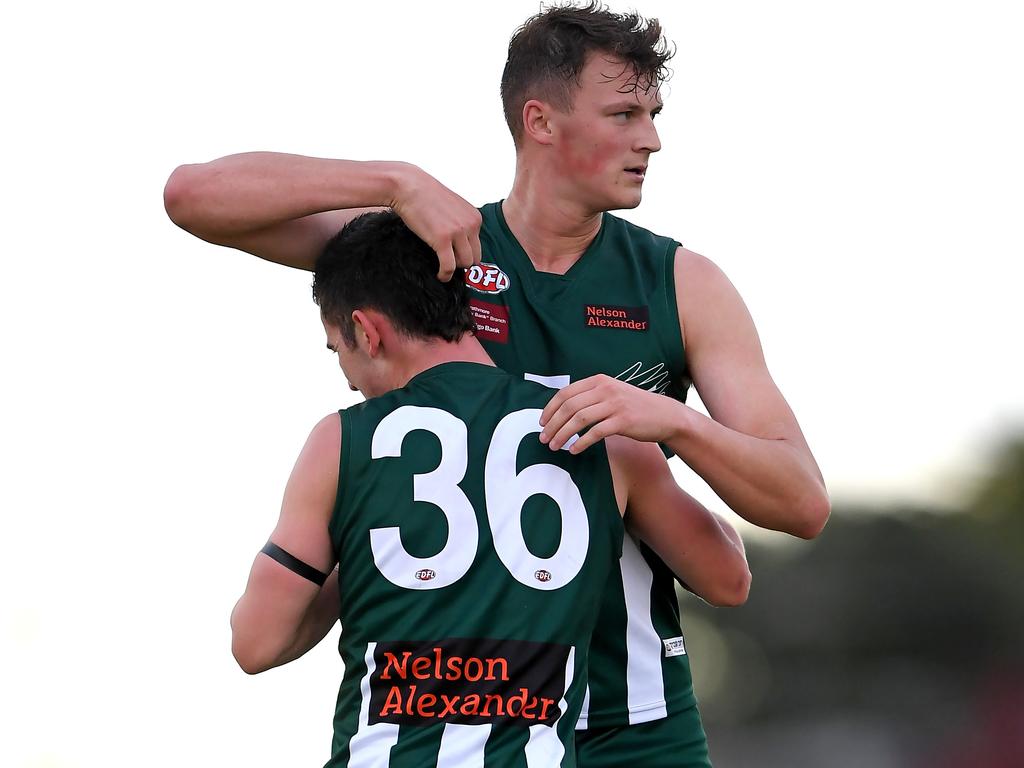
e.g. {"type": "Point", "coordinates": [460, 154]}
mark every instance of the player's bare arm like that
{"type": "Point", "coordinates": [703, 550]}
{"type": "Point", "coordinates": [751, 451]}
{"type": "Point", "coordinates": [284, 208]}
{"type": "Point", "coordinates": [283, 614]}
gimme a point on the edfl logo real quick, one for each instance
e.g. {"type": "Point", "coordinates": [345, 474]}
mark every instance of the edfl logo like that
{"type": "Point", "coordinates": [487, 278]}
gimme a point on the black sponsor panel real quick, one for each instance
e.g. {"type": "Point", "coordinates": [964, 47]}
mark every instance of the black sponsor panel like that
{"type": "Point", "coordinates": [467, 680]}
{"type": "Point", "coordinates": [614, 316]}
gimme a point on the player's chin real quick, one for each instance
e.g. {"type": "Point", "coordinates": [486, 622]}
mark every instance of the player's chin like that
{"type": "Point", "coordinates": [625, 200]}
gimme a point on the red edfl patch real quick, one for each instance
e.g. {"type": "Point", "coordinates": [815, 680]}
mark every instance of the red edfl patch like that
{"type": "Point", "coordinates": [425, 575]}
{"type": "Point", "coordinates": [487, 278]}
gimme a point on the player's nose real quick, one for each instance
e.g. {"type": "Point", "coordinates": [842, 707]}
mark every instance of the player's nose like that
{"type": "Point", "coordinates": [649, 139]}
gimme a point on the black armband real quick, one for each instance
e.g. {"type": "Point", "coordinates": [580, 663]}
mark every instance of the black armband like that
{"type": "Point", "coordinates": [293, 564]}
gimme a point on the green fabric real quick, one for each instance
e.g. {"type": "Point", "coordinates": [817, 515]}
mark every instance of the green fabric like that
{"type": "Point", "coordinates": [496, 629]}
{"type": "Point", "coordinates": [676, 741]}
{"type": "Point", "coordinates": [614, 312]}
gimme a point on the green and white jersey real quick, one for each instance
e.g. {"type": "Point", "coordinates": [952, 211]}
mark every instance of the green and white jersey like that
{"type": "Point", "coordinates": [472, 561]}
{"type": "Point", "coordinates": [614, 312]}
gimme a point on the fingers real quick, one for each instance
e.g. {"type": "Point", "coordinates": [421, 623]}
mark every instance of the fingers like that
{"type": "Point", "coordinates": [474, 244]}
{"type": "Point", "coordinates": [460, 248]}
{"type": "Point", "coordinates": [574, 415]}
{"type": "Point", "coordinates": [450, 224]}
{"type": "Point", "coordinates": [553, 406]}
{"type": "Point", "coordinates": [595, 434]}
{"type": "Point", "coordinates": [590, 417]}
{"type": "Point", "coordinates": [446, 263]}
{"type": "Point", "coordinates": [564, 394]}
{"type": "Point", "coordinates": [464, 254]}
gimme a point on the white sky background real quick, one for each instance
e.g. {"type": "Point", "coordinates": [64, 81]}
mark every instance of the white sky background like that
{"type": "Point", "coordinates": [855, 168]}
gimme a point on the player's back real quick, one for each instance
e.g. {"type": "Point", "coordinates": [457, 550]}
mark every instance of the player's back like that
{"type": "Point", "coordinates": [472, 561]}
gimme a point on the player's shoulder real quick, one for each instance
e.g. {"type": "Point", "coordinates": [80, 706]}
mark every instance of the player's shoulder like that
{"type": "Point", "coordinates": [696, 272]}
{"type": "Point", "coordinates": [326, 434]}
{"type": "Point", "coordinates": [318, 460]}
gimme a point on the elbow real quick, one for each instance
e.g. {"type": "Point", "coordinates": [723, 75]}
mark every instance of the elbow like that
{"type": "Point", "coordinates": [813, 513]}
{"type": "Point", "coordinates": [182, 195]}
{"type": "Point", "coordinates": [804, 514]}
{"type": "Point", "coordinates": [250, 644]}
{"type": "Point", "coordinates": [732, 593]}
{"type": "Point", "coordinates": [248, 656]}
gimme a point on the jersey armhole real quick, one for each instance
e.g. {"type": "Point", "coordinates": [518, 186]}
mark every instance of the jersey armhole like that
{"type": "Point", "coordinates": [620, 525]}
{"type": "Point", "coordinates": [672, 299]}
{"type": "Point", "coordinates": [336, 523]}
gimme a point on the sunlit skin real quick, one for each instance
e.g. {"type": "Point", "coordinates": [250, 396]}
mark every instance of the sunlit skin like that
{"type": "Point", "coordinates": [574, 164]}
{"type": "Point", "coordinates": [601, 147]}
{"type": "Point", "coordinates": [383, 358]}
{"type": "Point", "coordinates": [348, 357]}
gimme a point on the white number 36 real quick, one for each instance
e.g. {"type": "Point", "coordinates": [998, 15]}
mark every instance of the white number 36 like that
{"type": "Point", "coordinates": [506, 492]}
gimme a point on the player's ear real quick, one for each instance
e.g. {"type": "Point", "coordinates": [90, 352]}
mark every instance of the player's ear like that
{"type": "Point", "coordinates": [367, 328]}
{"type": "Point", "coordinates": [537, 121]}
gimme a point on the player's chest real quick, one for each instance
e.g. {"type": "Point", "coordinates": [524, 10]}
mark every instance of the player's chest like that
{"type": "Point", "coordinates": [562, 328]}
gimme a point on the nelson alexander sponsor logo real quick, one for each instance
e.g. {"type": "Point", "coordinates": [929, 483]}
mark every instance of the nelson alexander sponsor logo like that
{"type": "Point", "coordinates": [487, 278]}
{"type": "Point", "coordinates": [611, 316]}
{"type": "Point", "coordinates": [467, 680]}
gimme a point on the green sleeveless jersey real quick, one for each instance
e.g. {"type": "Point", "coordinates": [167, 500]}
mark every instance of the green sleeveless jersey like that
{"type": "Point", "coordinates": [472, 560]}
{"type": "Point", "coordinates": [614, 312]}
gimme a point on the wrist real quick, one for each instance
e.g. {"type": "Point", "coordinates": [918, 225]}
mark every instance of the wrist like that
{"type": "Point", "coordinates": [400, 178]}
{"type": "Point", "coordinates": [682, 426]}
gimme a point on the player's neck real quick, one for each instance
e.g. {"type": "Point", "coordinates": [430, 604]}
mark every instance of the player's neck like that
{"type": "Point", "coordinates": [418, 357]}
{"type": "Point", "coordinates": [553, 230]}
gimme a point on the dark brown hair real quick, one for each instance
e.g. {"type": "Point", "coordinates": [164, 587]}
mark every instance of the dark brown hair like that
{"type": "Point", "coordinates": [548, 52]}
{"type": "Point", "coordinates": [376, 262]}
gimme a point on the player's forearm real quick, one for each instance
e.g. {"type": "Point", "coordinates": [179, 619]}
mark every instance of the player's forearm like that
{"type": "Point", "coordinates": [240, 194]}
{"type": "Point", "coordinates": [318, 621]}
{"type": "Point", "coordinates": [715, 567]}
{"type": "Point", "coordinates": [267, 632]}
{"type": "Point", "coordinates": [770, 483]}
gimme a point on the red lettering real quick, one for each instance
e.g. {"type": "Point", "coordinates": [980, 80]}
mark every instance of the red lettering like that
{"type": "Point", "coordinates": [454, 668]}
{"type": "Point", "coordinates": [419, 667]}
{"type": "Point", "coordinates": [528, 709]}
{"type": "Point", "coordinates": [499, 704]}
{"type": "Point", "coordinates": [424, 701]}
{"type": "Point", "coordinates": [392, 661]}
{"type": "Point", "coordinates": [393, 702]}
{"type": "Point", "coordinates": [408, 702]}
{"type": "Point", "coordinates": [470, 705]}
{"type": "Point", "coordinates": [479, 669]}
{"type": "Point", "coordinates": [543, 709]}
{"type": "Point", "coordinates": [492, 664]}
{"type": "Point", "coordinates": [449, 705]}
{"type": "Point", "coordinates": [520, 699]}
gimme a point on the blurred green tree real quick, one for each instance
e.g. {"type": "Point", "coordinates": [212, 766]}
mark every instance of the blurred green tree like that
{"type": "Point", "coordinates": [880, 639]}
